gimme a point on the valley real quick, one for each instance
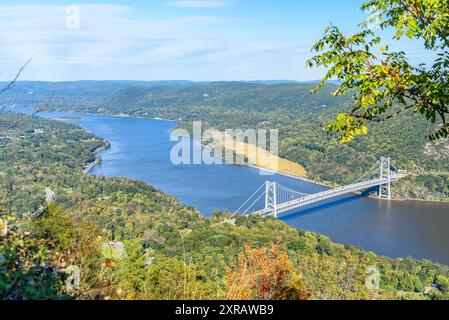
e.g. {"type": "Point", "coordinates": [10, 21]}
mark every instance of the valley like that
{"type": "Point", "coordinates": [298, 115]}
{"type": "Point", "coordinates": [90, 210]}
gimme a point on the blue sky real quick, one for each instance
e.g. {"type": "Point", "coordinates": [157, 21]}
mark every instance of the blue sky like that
{"type": "Point", "coordinates": [169, 39]}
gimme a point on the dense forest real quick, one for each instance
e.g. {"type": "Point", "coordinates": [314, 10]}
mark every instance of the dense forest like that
{"type": "Point", "coordinates": [130, 241]}
{"type": "Point", "coordinates": [290, 107]}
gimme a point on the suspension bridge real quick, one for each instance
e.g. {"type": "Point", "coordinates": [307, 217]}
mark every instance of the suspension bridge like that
{"type": "Point", "coordinates": [280, 200]}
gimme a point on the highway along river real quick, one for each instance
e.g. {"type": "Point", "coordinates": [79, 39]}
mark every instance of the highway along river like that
{"type": "Point", "coordinates": [141, 150]}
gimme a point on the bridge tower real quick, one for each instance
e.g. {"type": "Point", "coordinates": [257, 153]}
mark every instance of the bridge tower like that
{"type": "Point", "coordinates": [385, 173]}
{"type": "Point", "coordinates": [271, 198]}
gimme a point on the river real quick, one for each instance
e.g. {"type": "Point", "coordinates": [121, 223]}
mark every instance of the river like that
{"type": "Point", "coordinates": [141, 150]}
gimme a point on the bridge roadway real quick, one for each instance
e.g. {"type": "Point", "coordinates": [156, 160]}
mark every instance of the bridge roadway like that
{"type": "Point", "coordinates": [328, 194]}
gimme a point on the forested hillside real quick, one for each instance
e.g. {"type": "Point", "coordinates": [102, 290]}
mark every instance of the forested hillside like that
{"type": "Point", "coordinates": [131, 241]}
{"type": "Point", "coordinates": [299, 115]}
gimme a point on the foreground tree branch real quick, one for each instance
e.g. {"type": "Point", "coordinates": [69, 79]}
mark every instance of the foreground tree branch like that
{"type": "Point", "coordinates": [13, 82]}
{"type": "Point", "coordinates": [36, 109]}
{"type": "Point", "coordinates": [381, 80]}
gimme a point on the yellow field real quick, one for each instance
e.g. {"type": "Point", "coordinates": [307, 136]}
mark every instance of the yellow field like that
{"type": "Point", "coordinates": [263, 159]}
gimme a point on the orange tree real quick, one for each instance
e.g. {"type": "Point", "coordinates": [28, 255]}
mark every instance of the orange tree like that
{"type": "Point", "coordinates": [264, 274]}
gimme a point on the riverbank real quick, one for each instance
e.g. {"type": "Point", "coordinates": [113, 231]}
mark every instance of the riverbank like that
{"type": "Point", "coordinates": [255, 155]}
{"type": "Point", "coordinates": [296, 174]}
{"type": "Point", "coordinates": [119, 115]}
{"type": "Point", "coordinates": [88, 167]}
{"type": "Point", "coordinates": [125, 115]}
{"type": "Point", "coordinates": [293, 176]}
{"type": "Point", "coordinates": [330, 185]}
{"type": "Point", "coordinates": [394, 229]}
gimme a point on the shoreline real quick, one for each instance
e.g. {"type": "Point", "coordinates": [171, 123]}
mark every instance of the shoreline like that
{"type": "Point", "coordinates": [293, 176]}
{"type": "Point", "coordinates": [88, 167]}
{"type": "Point", "coordinates": [319, 183]}
{"type": "Point", "coordinates": [305, 179]}
{"type": "Point", "coordinates": [124, 115]}
{"type": "Point", "coordinates": [323, 184]}
{"type": "Point", "coordinates": [119, 115]}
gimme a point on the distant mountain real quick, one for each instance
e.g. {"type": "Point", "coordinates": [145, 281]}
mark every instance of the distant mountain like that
{"type": "Point", "coordinates": [141, 100]}
{"type": "Point", "coordinates": [75, 92]}
{"type": "Point", "coordinates": [274, 82]}
{"type": "Point", "coordinates": [270, 82]}
{"type": "Point", "coordinates": [140, 97]}
{"type": "Point", "coordinates": [128, 92]}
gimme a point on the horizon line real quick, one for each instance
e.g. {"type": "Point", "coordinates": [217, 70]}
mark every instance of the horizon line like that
{"type": "Point", "coordinates": [170, 80]}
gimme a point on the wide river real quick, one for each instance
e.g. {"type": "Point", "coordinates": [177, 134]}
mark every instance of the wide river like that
{"type": "Point", "coordinates": [141, 150]}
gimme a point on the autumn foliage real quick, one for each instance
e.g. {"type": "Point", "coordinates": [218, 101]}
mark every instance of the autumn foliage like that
{"type": "Point", "coordinates": [264, 274]}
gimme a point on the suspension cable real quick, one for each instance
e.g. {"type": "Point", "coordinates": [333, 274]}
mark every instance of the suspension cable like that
{"type": "Point", "coordinates": [252, 204]}
{"type": "Point", "coordinates": [397, 166]}
{"type": "Point", "coordinates": [250, 198]}
{"type": "Point", "coordinates": [370, 172]}
{"type": "Point", "coordinates": [293, 191]}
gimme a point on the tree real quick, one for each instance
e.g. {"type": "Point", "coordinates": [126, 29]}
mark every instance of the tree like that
{"type": "Point", "coordinates": [139, 275]}
{"type": "Point", "coordinates": [78, 241]}
{"type": "Point", "coordinates": [29, 265]}
{"type": "Point", "coordinates": [443, 283]}
{"type": "Point", "coordinates": [384, 83]}
{"type": "Point", "coordinates": [35, 110]}
{"type": "Point", "coordinates": [264, 274]}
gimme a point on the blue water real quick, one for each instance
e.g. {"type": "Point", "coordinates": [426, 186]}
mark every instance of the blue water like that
{"type": "Point", "coordinates": [141, 150]}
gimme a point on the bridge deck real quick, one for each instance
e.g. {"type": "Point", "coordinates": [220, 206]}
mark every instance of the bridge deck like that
{"type": "Point", "coordinates": [328, 194]}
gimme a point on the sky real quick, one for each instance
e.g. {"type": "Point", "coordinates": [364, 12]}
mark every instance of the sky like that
{"type": "Point", "coordinates": [200, 40]}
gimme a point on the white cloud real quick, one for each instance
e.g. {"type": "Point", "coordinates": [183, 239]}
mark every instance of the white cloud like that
{"type": "Point", "coordinates": [197, 3]}
{"type": "Point", "coordinates": [105, 34]}
{"type": "Point", "coordinates": [112, 44]}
